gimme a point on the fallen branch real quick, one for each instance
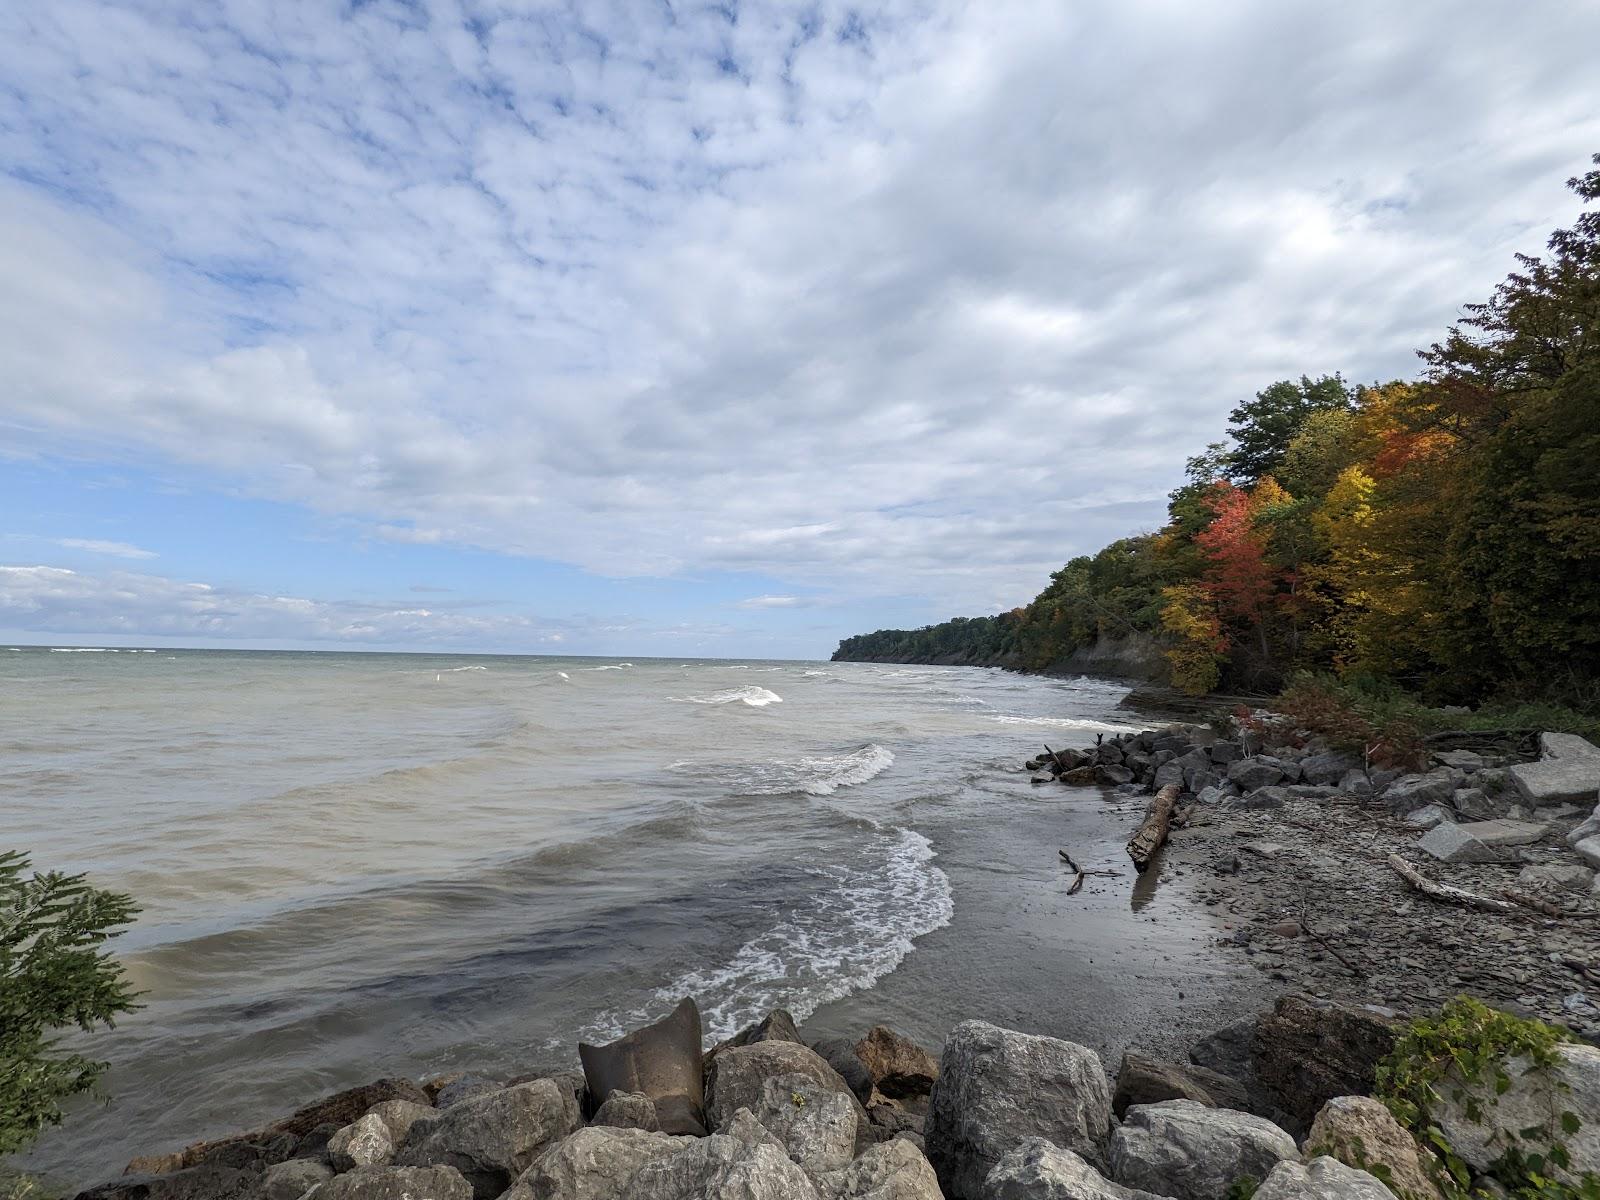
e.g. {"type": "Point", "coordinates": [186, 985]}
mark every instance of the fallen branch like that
{"type": "Point", "coordinates": [1152, 835]}
{"type": "Point", "coordinates": [1080, 872]}
{"type": "Point", "coordinates": [1445, 892]}
{"type": "Point", "coordinates": [1543, 906]}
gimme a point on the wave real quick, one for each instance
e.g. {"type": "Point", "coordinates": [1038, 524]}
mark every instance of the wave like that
{"type": "Point", "coordinates": [84, 650]}
{"type": "Point", "coordinates": [755, 697]}
{"type": "Point", "coordinates": [820, 775]}
{"type": "Point", "coordinates": [860, 925]}
{"type": "Point", "coordinates": [564, 675]}
{"type": "Point", "coordinates": [614, 667]}
{"type": "Point", "coordinates": [813, 674]}
{"type": "Point", "coordinates": [453, 670]}
{"type": "Point", "coordinates": [1083, 723]}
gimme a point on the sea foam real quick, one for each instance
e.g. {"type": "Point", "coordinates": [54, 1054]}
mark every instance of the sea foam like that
{"type": "Point", "coordinates": [755, 697]}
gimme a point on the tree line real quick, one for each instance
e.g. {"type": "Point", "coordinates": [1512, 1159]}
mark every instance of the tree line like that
{"type": "Point", "coordinates": [1440, 533]}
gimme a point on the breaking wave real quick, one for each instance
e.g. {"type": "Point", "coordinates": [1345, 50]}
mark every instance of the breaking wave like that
{"type": "Point", "coordinates": [755, 697]}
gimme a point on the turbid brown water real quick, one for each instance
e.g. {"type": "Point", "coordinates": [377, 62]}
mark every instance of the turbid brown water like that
{"type": "Point", "coordinates": [356, 865]}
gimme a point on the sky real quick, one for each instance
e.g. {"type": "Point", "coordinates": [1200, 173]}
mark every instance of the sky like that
{"type": "Point", "coordinates": [702, 329]}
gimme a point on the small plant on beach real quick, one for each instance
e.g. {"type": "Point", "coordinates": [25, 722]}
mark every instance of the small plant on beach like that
{"type": "Point", "coordinates": [1470, 1044]}
{"type": "Point", "coordinates": [54, 973]}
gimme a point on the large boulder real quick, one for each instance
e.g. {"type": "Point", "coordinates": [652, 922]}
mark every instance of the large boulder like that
{"type": "Point", "coordinates": [204, 1182]}
{"type": "Point", "coordinates": [1328, 770]}
{"type": "Point", "coordinates": [892, 1170]}
{"type": "Point", "coordinates": [1360, 1132]}
{"type": "Point", "coordinates": [397, 1183]}
{"type": "Point", "coordinates": [816, 1124]}
{"type": "Point", "coordinates": [1305, 1052]}
{"type": "Point", "coordinates": [777, 1026]}
{"type": "Point", "coordinates": [494, 1138]}
{"type": "Point", "coordinates": [738, 1076]}
{"type": "Point", "coordinates": [400, 1117]}
{"type": "Point", "coordinates": [1183, 1149]}
{"type": "Point", "coordinates": [662, 1061]}
{"type": "Point", "coordinates": [596, 1163]}
{"type": "Point", "coordinates": [1568, 772]}
{"type": "Point", "coordinates": [292, 1179]}
{"type": "Point", "coordinates": [997, 1088]}
{"type": "Point", "coordinates": [1480, 841]}
{"type": "Point", "coordinates": [1248, 774]}
{"type": "Point", "coordinates": [840, 1054]}
{"type": "Point", "coordinates": [720, 1168]}
{"type": "Point", "coordinates": [1321, 1179]}
{"type": "Point", "coordinates": [1037, 1170]}
{"type": "Point", "coordinates": [465, 1087]}
{"type": "Point", "coordinates": [1534, 1100]}
{"type": "Point", "coordinates": [1146, 1080]}
{"type": "Point", "coordinates": [898, 1066]}
{"type": "Point", "coordinates": [363, 1143]}
{"type": "Point", "coordinates": [627, 1110]}
{"type": "Point", "coordinates": [1411, 792]}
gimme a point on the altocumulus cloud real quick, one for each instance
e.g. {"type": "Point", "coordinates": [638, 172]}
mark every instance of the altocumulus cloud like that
{"type": "Point", "coordinates": [917, 298]}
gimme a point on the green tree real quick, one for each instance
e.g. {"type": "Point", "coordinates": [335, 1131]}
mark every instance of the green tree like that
{"type": "Point", "coordinates": [1262, 429]}
{"type": "Point", "coordinates": [54, 973]}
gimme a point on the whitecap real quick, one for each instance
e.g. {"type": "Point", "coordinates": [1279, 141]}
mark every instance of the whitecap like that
{"type": "Point", "coordinates": [755, 697]}
{"type": "Point", "coordinates": [82, 650]}
{"type": "Point", "coordinates": [861, 926]}
{"type": "Point", "coordinates": [1069, 723]}
{"type": "Point", "coordinates": [453, 670]}
{"type": "Point", "coordinates": [565, 676]}
{"type": "Point", "coordinates": [818, 775]}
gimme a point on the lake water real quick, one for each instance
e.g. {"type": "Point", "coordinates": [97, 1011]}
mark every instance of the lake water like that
{"type": "Point", "coordinates": [353, 865]}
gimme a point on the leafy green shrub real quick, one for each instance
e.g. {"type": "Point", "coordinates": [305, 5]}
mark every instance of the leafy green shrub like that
{"type": "Point", "coordinates": [53, 974]}
{"type": "Point", "coordinates": [1469, 1042]}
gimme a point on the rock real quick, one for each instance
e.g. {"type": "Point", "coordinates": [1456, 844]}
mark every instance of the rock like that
{"type": "Point", "coordinates": [1288, 765]}
{"type": "Point", "coordinates": [737, 1077]}
{"type": "Point", "coordinates": [493, 1138]}
{"type": "Point", "coordinates": [1307, 791]}
{"type": "Point", "coordinates": [663, 1061]}
{"type": "Point", "coordinates": [1568, 772]}
{"type": "Point", "coordinates": [1210, 795]}
{"type": "Point", "coordinates": [1533, 1100]}
{"type": "Point", "coordinates": [1557, 877]}
{"type": "Point", "coordinates": [1360, 1132]}
{"type": "Point", "coordinates": [777, 1026]}
{"type": "Point", "coordinates": [1411, 792]}
{"type": "Point", "coordinates": [1328, 769]}
{"type": "Point", "coordinates": [1589, 850]}
{"type": "Point", "coordinates": [1198, 781]}
{"type": "Point", "coordinates": [744, 1127]}
{"type": "Point", "coordinates": [1037, 1170]}
{"type": "Point", "coordinates": [1185, 1150]}
{"type": "Point", "coordinates": [596, 1163]}
{"type": "Point", "coordinates": [363, 1143]}
{"type": "Point", "coordinates": [1078, 777]}
{"type": "Point", "coordinates": [1265, 797]}
{"type": "Point", "coordinates": [1355, 782]}
{"type": "Point", "coordinates": [1304, 1053]}
{"type": "Point", "coordinates": [892, 1116]}
{"type": "Point", "coordinates": [1145, 1080]}
{"type": "Point", "coordinates": [1449, 842]}
{"type": "Point", "coordinates": [1108, 752]}
{"type": "Point", "coordinates": [207, 1181]}
{"type": "Point", "coordinates": [893, 1170]}
{"type": "Point", "coordinates": [721, 1168]}
{"type": "Point", "coordinates": [341, 1108]}
{"type": "Point", "coordinates": [997, 1088]}
{"type": "Point", "coordinates": [1428, 816]}
{"type": "Point", "coordinates": [1474, 805]}
{"type": "Point", "coordinates": [467, 1087]}
{"type": "Point", "coordinates": [1587, 828]}
{"type": "Point", "coordinates": [898, 1066]}
{"type": "Point", "coordinates": [1167, 774]}
{"type": "Point", "coordinates": [816, 1124]}
{"type": "Point", "coordinates": [1039, 777]}
{"type": "Point", "coordinates": [1228, 1052]}
{"type": "Point", "coordinates": [315, 1143]}
{"type": "Point", "coordinates": [400, 1117]}
{"type": "Point", "coordinates": [1461, 760]}
{"type": "Point", "coordinates": [1321, 1179]}
{"type": "Point", "coordinates": [1223, 753]}
{"type": "Point", "coordinates": [1253, 773]}
{"type": "Point", "coordinates": [397, 1183]}
{"type": "Point", "coordinates": [1112, 774]}
{"type": "Point", "coordinates": [627, 1110]}
{"type": "Point", "coordinates": [292, 1179]}
{"type": "Point", "coordinates": [840, 1054]}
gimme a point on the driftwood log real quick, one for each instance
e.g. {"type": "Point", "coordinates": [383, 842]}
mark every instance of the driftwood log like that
{"type": "Point", "coordinates": [1152, 835]}
{"type": "Point", "coordinates": [1446, 892]}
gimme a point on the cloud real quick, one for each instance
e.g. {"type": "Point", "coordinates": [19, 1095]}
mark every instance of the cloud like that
{"type": "Point", "coordinates": [58, 601]}
{"type": "Point", "coordinates": [759, 602]}
{"type": "Point", "coordinates": [114, 549]}
{"type": "Point", "coordinates": [912, 302]}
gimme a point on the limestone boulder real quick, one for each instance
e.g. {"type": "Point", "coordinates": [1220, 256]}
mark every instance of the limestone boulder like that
{"type": "Point", "coordinates": [596, 1163]}
{"type": "Point", "coordinates": [997, 1088]}
{"type": "Point", "coordinates": [840, 1054]}
{"type": "Point", "coordinates": [1568, 772]}
{"type": "Point", "coordinates": [400, 1117]}
{"type": "Point", "coordinates": [1360, 1132]}
{"type": "Point", "coordinates": [493, 1138]}
{"type": "Point", "coordinates": [1328, 770]}
{"type": "Point", "coordinates": [721, 1168]}
{"type": "Point", "coordinates": [1183, 1149]}
{"type": "Point", "coordinates": [363, 1143]}
{"type": "Point", "coordinates": [1534, 1100]}
{"type": "Point", "coordinates": [1305, 1052]}
{"type": "Point", "coordinates": [1146, 1080]}
{"type": "Point", "coordinates": [892, 1170]}
{"type": "Point", "coordinates": [815, 1124]}
{"type": "Point", "coordinates": [627, 1110]}
{"type": "Point", "coordinates": [1248, 774]}
{"type": "Point", "coordinates": [1037, 1170]}
{"type": "Point", "coordinates": [738, 1076]}
{"type": "Point", "coordinates": [292, 1179]}
{"type": "Point", "coordinates": [466, 1087]}
{"type": "Point", "coordinates": [1321, 1179]}
{"type": "Point", "coordinates": [1411, 792]}
{"type": "Point", "coordinates": [397, 1183]}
